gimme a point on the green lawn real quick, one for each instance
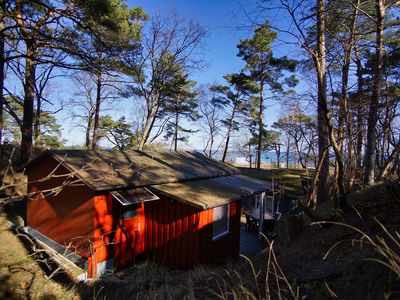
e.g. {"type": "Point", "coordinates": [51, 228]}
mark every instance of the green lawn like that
{"type": "Point", "coordinates": [289, 179]}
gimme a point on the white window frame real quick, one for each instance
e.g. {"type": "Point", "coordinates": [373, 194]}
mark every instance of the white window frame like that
{"type": "Point", "coordinates": [216, 211]}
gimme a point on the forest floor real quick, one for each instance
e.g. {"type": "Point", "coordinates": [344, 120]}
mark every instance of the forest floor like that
{"type": "Point", "coordinates": [344, 260]}
{"type": "Point", "coordinates": [334, 261]}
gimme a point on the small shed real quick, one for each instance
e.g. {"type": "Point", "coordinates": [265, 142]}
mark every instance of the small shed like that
{"type": "Point", "coordinates": [111, 208]}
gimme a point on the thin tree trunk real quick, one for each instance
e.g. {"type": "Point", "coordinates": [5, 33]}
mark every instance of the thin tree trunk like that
{"type": "Point", "coordinates": [386, 166]}
{"type": "Point", "coordinates": [260, 125]}
{"type": "Point", "coordinates": [88, 143]}
{"type": "Point", "coordinates": [210, 149]}
{"type": "Point", "coordinates": [323, 139]}
{"type": "Point", "coordinates": [383, 149]}
{"type": "Point", "coordinates": [287, 152]}
{"type": "Point", "coordinates": [343, 109]}
{"type": "Point", "coordinates": [369, 174]}
{"type": "Point", "coordinates": [250, 156]}
{"type": "Point", "coordinates": [278, 155]}
{"type": "Point", "coordinates": [29, 90]}
{"type": "Point", "coordinates": [36, 125]}
{"type": "Point", "coordinates": [2, 77]}
{"type": "Point", "coordinates": [176, 124]}
{"type": "Point", "coordinates": [350, 163]}
{"type": "Point", "coordinates": [298, 150]}
{"type": "Point", "coordinates": [313, 193]}
{"type": "Point", "coordinates": [97, 108]}
{"type": "Point", "coordinates": [360, 119]}
{"type": "Point", "coordinates": [228, 135]}
{"type": "Point", "coordinates": [344, 119]}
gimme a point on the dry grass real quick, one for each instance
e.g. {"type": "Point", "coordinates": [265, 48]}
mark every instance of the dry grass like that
{"type": "Point", "coordinates": [20, 275]}
{"type": "Point", "coordinates": [236, 280]}
{"type": "Point", "coordinates": [386, 245]}
{"type": "Point", "coordinates": [253, 282]}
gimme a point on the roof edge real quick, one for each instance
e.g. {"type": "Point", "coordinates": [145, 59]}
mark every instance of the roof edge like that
{"type": "Point", "coordinates": [49, 153]}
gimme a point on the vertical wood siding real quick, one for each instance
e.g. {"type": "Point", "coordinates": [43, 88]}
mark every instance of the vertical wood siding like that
{"type": "Point", "coordinates": [65, 217]}
{"type": "Point", "coordinates": [180, 236]}
{"type": "Point", "coordinates": [114, 237]}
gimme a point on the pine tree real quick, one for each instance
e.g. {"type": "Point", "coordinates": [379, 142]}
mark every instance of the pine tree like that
{"type": "Point", "coordinates": [180, 103]}
{"type": "Point", "coordinates": [235, 95]}
{"type": "Point", "coordinates": [266, 70]}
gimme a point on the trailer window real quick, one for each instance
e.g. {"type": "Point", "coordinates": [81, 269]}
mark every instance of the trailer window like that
{"type": "Point", "coordinates": [221, 221]}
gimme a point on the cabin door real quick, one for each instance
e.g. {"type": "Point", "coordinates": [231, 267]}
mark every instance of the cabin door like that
{"type": "Point", "coordinates": [129, 234]}
{"type": "Point", "coordinates": [133, 228]}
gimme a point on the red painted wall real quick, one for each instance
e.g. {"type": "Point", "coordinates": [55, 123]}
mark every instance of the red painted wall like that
{"type": "Point", "coordinates": [64, 217]}
{"type": "Point", "coordinates": [114, 237]}
{"type": "Point", "coordinates": [180, 236]}
{"type": "Point", "coordinates": [166, 231]}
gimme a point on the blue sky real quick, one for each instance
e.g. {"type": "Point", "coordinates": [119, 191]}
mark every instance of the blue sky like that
{"type": "Point", "coordinates": [219, 17]}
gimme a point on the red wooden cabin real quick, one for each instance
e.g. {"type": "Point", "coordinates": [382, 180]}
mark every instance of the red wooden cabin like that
{"type": "Point", "coordinates": [111, 208]}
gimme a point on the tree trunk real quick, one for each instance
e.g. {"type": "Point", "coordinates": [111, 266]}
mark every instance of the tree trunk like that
{"type": "Point", "coordinates": [88, 143]}
{"type": "Point", "coordinates": [211, 146]}
{"type": "Point", "coordinates": [343, 109]}
{"type": "Point", "coordinates": [176, 124]}
{"type": "Point", "coordinates": [36, 125]}
{"type": "Point", "coordinates": [388, 163]}
{"type": "Point", "coordinates": [298, 150]}
{"type": "Point", "coordinates": [278, 155]}
{"type": "Point", "coordinates": [323, 113]}
{"type": "Point", "coordinates": [228, 135]}
{"type": "Point", "coordinates": [369, 174]}
{"type": "Point", "coordinates": [2, 77]}
{"type": "Point", "coordinates": [287, 152]}
{"type": "Point", "coordinates": [312, 194]}
{"type": "Point", "coordinates": [383, 148]}
{"type": "Point", "coordinates": [360, 120]}
{"type": "Point", "coordinates": [260, 125]}
{"type": "Point", "coordinates": [344, 118]}
{"type": "Point", "coordinates": [29, 98]}
{"type": "Point", "coordinates": [148, 126]}
{"type": "Point", "coordinates": [323, 140]}
{"type": "Point", "coordinates": [146, 130]}
{"type": "Point", "coordinates": [350, 163]}
{"type": "Point", "coordinates": [97, 108]}
{"type": "Point", "coordinates": [250, 156]}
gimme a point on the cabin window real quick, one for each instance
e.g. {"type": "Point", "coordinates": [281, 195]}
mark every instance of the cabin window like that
{"type": "Point", "coordinates": [269, 204]}
{"type": "Point", "coordinates": [129, 212]}
{"type": "Point", "coordinates": [221, 221]}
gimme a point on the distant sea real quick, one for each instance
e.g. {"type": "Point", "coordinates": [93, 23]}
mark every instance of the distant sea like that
{"type": "Point", "coordinates": [267, 157]}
